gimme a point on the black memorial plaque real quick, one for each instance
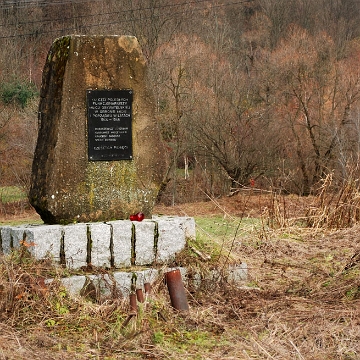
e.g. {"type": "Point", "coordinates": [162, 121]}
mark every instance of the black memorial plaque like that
{"type": "Point", "coordinates": [109, 124]}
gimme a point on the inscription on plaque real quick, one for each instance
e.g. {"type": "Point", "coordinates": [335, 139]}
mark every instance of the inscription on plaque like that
{"type": "Point", "coordinates": [109, 124]}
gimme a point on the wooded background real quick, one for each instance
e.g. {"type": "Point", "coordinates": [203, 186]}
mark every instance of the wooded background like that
{"type": "Point", "coordinates": [261, 93]}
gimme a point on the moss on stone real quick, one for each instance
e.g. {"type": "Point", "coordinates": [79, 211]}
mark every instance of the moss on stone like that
{"type": "Point", "coordinates": [66, 187]}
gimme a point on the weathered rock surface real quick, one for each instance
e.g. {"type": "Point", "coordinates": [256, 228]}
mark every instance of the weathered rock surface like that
{"type": "Point", "coordinates": [65, 186]}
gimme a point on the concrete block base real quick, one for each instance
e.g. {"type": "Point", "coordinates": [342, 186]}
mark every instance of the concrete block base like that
{"type": "Point", "coordinates": [113, 244]}
{"type": "Point", "coordinates": [121, 283]}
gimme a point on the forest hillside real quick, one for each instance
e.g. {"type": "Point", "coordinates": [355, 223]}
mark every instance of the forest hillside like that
{"type": "Point", "coordinates": [261, 93]}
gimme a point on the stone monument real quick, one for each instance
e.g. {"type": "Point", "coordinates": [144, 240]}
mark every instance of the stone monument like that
{"type": "Point", "coordinates": [98, 155]}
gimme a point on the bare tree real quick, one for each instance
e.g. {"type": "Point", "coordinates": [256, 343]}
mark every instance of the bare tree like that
{"type": "Point", "coordinates": [315, 95]}
{"type": "Point", "coordinates": [152, 22]}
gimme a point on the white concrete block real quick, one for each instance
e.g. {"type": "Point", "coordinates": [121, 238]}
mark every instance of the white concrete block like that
{"type": "Point", "coordinates": [75, 245]}
{"type": "Point", "coordinates": [187, 223]}
{"type": "Point", "coordinates": [123, 282]}
{"type": "Point", "coordinates": [18, 235]}
{"type": "Point", "coordinates": [120, 283]}
{"type": "Point", "coordinates": [189, 226]}
{"type": "Point", "coordinates": [238, 273]}
{"type": "Point", "coordinates": [100, 244]}
{"type": "Point", "coordinates": [106, 285]}
{"type": "Point", "coordinates": [121, 235]}
{"type": "Point", "coordinates": [44, 241]}
{"type": "Point", "coordinates": [74, 284]}
{"type": "Point", "coordinates": [5, 234]}
{"type": "Point", "coordinates": [144, 242]}
{"type": "Point", "coordinates": [171, 240]}
{"type": "Point", "coordinates": [116, 285]}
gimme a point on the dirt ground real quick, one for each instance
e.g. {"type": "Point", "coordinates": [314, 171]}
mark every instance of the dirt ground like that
{"type": "Point", "coordinates": [301, 299]}
{"type": "Point", "coordinates": [244, 204]}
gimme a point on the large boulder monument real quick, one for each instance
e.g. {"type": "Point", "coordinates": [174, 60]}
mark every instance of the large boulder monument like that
{"type": "Point", "coordinates": [98, 155]}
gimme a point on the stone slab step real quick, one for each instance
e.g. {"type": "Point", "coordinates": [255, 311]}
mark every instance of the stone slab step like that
{"type": "Point", "coordinates": [121, 283]}
{"type": "Point", "coordinates": [118, 244]}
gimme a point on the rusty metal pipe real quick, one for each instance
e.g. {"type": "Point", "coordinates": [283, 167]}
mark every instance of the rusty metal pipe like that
{"type": "Point", "coordinates": [176, 290]}
{"type": "Point", "coordinates": [133, 304]}
{"type": "Point", "coordinates": [139, 295]}
{"type": "Point", "coordinates": [147, 287]}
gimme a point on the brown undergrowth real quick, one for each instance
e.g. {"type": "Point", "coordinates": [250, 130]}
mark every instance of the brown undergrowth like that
{"type": "Point", "coordinates": [301, 299]}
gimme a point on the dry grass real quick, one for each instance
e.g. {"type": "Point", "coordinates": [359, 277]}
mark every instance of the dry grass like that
{"type": "Point", "coordinates": [335, 209]}
{"type": "Point", "coordinates": [302, 299]}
